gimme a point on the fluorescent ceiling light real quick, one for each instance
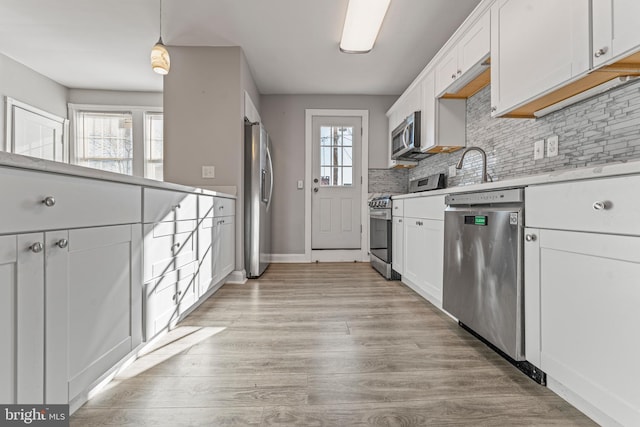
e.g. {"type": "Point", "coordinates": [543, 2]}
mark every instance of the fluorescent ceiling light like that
{"type": "Point", "coordinates": [362, 24]}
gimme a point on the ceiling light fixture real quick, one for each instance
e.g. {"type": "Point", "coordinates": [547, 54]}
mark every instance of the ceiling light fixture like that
{"type": "Point", "coordinates": [362, 24]}
{"type": "Point", "coordinates": [160, 61]}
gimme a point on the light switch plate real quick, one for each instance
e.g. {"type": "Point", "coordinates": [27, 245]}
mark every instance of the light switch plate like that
{"type": "Point", "coordinates": [452, 171]}
{"type": "Point", "coordinates": [552, 146]}
{"type": "Point", "coordinates": [208, 172]}
{"type": "Point", "coordinates": [538, 150]}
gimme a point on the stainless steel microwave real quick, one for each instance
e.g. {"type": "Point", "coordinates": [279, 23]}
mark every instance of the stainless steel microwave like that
{"type": "Point", "coordinates": [405, 139]}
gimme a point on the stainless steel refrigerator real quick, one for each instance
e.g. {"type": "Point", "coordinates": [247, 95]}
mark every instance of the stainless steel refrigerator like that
{"type": "Point", "coordinates": [258, 191]}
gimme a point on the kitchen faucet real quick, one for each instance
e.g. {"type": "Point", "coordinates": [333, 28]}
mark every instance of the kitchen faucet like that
{"type": "Point", "coordinates": [485, 176]}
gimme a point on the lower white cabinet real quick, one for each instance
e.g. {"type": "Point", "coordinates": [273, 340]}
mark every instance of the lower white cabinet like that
{"type": "Point", "coordinates": [224, 247]}
{"type": "Point", "coordinates": [397, 245]}
{"type": "Point", "coordinates": [585, 288]}
{"type": "Point", "coordinates": [423, 257]}
{"type": "Point", "coordinates": [78, 309]}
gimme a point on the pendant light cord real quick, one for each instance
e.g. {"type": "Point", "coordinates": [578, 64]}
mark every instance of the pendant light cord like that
{"type": "Point", "coordinates": [161, 20]}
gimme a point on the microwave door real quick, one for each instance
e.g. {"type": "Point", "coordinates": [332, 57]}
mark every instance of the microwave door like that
{"type": "Point", "coordinates": [400, 142]}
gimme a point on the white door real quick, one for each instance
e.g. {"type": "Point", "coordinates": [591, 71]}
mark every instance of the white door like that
{"type": "Point", "coordinates": [37, 136]}
{"type": "Point", "coordinates": [336, 183]}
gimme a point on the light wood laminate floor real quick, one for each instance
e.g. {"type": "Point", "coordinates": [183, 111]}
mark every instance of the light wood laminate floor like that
{"type": "Point", "coordinates": [322, 345]}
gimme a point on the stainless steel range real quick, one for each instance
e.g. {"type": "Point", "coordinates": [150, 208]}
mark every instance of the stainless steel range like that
{"type": "Point", "coordinates": [380, 238]}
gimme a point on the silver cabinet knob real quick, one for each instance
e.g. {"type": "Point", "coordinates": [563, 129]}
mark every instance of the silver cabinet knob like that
{"type": "Point", "coordinates": [530, 237]}
{"type": "Point", "coordinates": [176, 246]}
{"type": "Point", "coordinates": [315, 190]}
{"type": "Point", "coordinates": [62, 243]}
{"type": "Point", "coordinates": [453, 76]}
{"type": "Point", "coordinates": [601, 205]}
{"type": "Point", "coordinates": [459, 72]}
{"type": "Point", "coordinates": [176, 206]}
{"type": "Point", "coordinates": [36, 248]}
{"type": "Point", "coordinates": [600, 52]}
{"type": "Point", "coordinates": [49, 201]}
{"type": "Point", "coordinates": [494, 109]}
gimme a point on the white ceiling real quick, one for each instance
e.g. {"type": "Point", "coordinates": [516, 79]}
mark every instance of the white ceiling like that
{"type": "Point", "coordinates": [291, 45]}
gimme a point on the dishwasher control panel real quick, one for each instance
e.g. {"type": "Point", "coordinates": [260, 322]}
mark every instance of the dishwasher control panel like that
{"type": "Point", "coordinates": [512, 195]}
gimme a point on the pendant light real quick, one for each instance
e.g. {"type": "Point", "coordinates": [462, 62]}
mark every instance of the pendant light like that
{"type": "Point", "coordinates": [160, 61]}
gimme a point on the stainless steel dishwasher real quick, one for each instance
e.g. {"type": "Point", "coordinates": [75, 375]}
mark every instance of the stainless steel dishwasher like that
{"type": "Point", "coordinates": [483, 278]}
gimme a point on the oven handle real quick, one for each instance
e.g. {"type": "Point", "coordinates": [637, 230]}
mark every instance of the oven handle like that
{"type": "Point", "coordinates": [380, 214]}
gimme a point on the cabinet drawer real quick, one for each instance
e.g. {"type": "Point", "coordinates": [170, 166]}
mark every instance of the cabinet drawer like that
{"type": "Point", "coordinates": [76, 202]}
{"type": "Point", "coordinates": [608, 205]}
{"type": "Point", "coordinates": [168, 246]}
{"type": "Point", "coordinates": [165, 205]}
{"type": "Point", "coordinates": [431, 207]}
{"type": "Point", "coordinates": [205, 206]}
{"type": "Point", "coordinates": [397, 207]}
{"type": "Point", "coordinates": [224, 207]}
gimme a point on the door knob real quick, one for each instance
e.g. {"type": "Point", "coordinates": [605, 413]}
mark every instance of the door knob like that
{"type": "Point", "coordinates": [315, 189]}
{"type": "Point", "coordinates": [315, 180]}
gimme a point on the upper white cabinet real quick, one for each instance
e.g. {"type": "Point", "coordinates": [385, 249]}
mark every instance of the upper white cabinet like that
{"type": "Point", "coordinates": [443, 120]}
{"type": "Point", "coordinates": [615, 29]}
{"type": "Point", "coordinates": [470, 51]}
{"type": "Point", "coordinates": [536, 47]}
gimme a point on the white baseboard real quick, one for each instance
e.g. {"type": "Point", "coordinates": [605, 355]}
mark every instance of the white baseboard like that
{"type": "Point", "coordinates": [289, 258]}
{"type": "Point", "coordinates": [582, 405]}
{"type": "Point", "coordinates": [237, 277]}
{"type": "Point", "coordinates": [433, 299]}
{"type": "Point", "coordinates": [339, 255]}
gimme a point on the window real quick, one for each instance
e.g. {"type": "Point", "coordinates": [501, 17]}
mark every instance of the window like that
{"type": "Point", "coordinates": [105, 141]}
{"type": "Point", "coordinates": [127, 140]}
{"type": "Point", "coordinates": [336, 156]}
{"type": "Point", "coordinates": [36, 133]}
{"type": "Point", "coordinates": [153, 145]}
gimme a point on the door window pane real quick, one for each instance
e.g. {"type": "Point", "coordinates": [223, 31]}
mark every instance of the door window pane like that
{"type": "Point", "coordinates": [336, 153]}
{"type": "Point", "coordinates": [104, 140]}
{"type": "Point", "coordinates": [153, 146]}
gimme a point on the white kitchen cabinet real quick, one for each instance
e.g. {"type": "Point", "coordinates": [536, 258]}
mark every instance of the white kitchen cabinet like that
{"type": "Point", "coordinates": [587, 288]}
{"type": "Point", "coordinates": [93, 305]}
{"type": "Point", "coordinates": [469, 52]}
{"type": "Point", "coordinates": [424, 246]}
{"type": "Point", "coordinates": [443, 127]}
{"type": "Point", "coordinates": [205, 244]}
{"type": "Point", "coordinates": [224, 247]}
{"type": "Point", "coordinates": [536, 47]}
{"type": "Point", "coordinates": [397, 246]}
{"type": "Point", "coordinates": [615, 29]}
{"type": "Point", "coordinates": [22, 329]}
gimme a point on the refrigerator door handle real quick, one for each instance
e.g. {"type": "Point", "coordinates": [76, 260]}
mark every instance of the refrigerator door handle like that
{"type": "Point", "coordinates": [270, 177]}
{"type": "Point", "coordinates": [263, 176]}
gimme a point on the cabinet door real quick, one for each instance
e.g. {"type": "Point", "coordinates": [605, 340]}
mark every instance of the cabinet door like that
{"type": "Point", "coordinates": [424, 249]}
{"type": "Point", "coordinates": [446, 71]}
{"type": "Point", "coordinates": [589, 299]}
{"type": "Point", "coordinates": [615, 29]}
{"type": "Point", "coordinates": [397, 248]}
{"type": "Point", "coordinates": [22, 319]}
{"type": "Point", "coordinates": [227, 246]}
{"type": "Point", "coordinates": [94, 278]}
{"type": "Point", "coordinates": [536, 46]}
{"type": "Point", "coordinates": [205, 255]}
{"type": "Point", "coordinates": [475, 45]}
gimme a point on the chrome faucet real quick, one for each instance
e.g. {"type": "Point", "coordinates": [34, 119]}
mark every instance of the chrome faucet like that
{"type": "Point", "coordinates": [485, 176]}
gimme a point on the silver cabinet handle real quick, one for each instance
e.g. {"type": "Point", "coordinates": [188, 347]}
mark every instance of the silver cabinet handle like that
{"type": "Point", "coordinates": [600, 52]}
{"type": "Point", "coordinates": [62, 243]}
{"type": "Point", "coordinates": [176, 206]}
{"type": "Point", "coordinates": [601, 205]}
{"type": "Point", "coordinates": [530, 237]}
{"type": "Point", "coordinates": [49, 201]}
{"type": "Point", "coordinates": [459, 72]}
{"type": "Point", "coordinates": [453, 76]}
{"type": "Point", "coordinates": [36, 248]}
{"type": "Point", "coordinates": [176, 246]}
{"type": "Point", "coordinates": [494, 109]}
{"type": "Point", "coordinates": [419, 223]}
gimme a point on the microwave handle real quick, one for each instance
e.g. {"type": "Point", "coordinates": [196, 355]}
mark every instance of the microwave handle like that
{"type": "Point", "coordinates": [404, 137]}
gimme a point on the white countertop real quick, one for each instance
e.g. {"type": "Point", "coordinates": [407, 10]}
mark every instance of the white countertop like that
{"type": "Point", "coordinates": [575, 174]}
{"type": "Point", "coordinates": [40, 165]}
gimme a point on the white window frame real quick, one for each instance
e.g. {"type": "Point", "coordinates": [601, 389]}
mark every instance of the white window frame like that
{"type": "Point", "coordinates": [9, 143]}
{"type": "Point", "coordinates": [138, 116]}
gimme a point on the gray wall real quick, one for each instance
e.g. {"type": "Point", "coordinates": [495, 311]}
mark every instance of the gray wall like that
{"type": "Point", "coordinates": [599, 130]}
{"type": "Point", "coordinates": [113, 97]}
{"type": "Point", "coordinates": [23, 84]}
{"type": "Point", "coordinates": [284, 118]}
{"type": "Point", "coordinates": [203, 122]}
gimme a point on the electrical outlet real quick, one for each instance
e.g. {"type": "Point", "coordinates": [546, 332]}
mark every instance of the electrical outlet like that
{"type": "Point", "coordinates": [552, 146]}
{"type": "Point", "coordinates": [452, 171]}
{"type": "Point", "coordinates": [208, 171]}
{"type": "Point", "coordinates": [538, 150]}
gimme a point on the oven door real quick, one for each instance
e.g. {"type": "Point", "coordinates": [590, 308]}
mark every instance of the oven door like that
{"type": "Point", "coordinates": [380, 234]}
